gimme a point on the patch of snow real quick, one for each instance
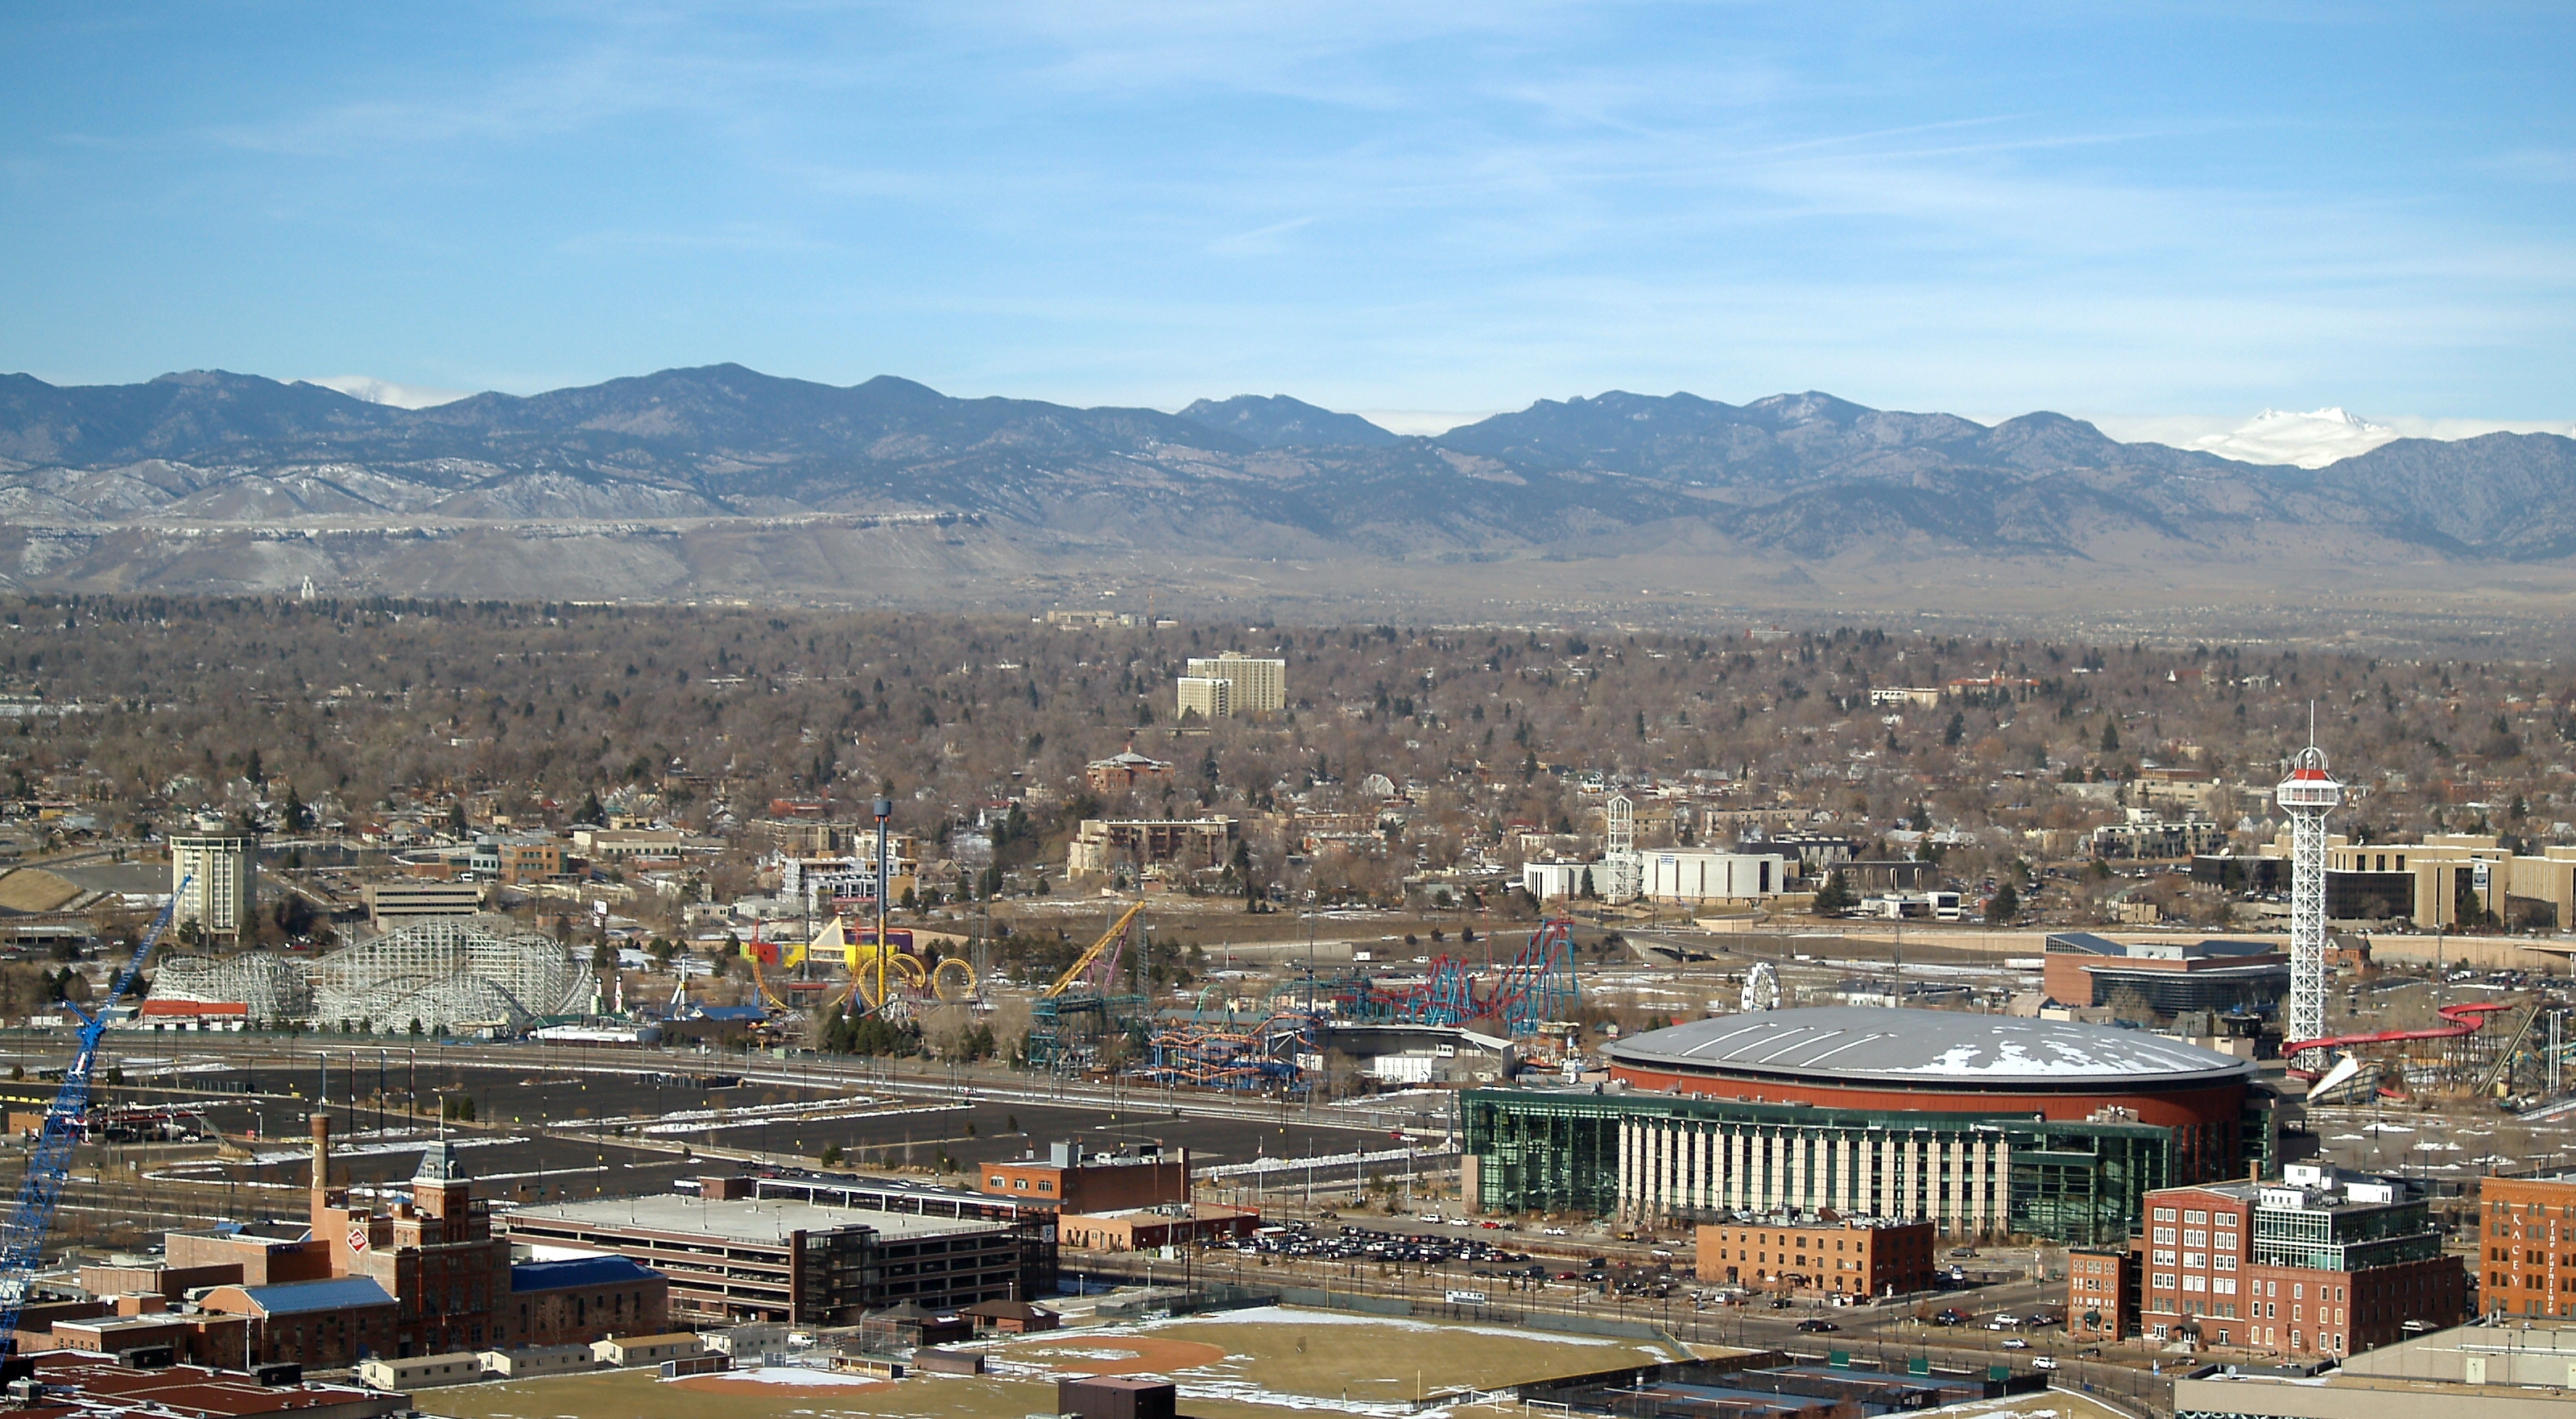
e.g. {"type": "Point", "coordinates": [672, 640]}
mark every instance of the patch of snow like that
{"type": "Point", "coordinates": [1285, 1315]}
{"type": "Point", "coordinates": [791, 1375]}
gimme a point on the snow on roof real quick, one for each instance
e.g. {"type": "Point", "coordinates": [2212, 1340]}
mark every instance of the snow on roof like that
{"type": "Point", "coordinates": [1923, 1046]}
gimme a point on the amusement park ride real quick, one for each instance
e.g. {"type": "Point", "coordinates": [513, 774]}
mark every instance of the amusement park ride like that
{"type": "Point", "coordinates": [900, 980]}
{"type": "Point", "coordinates": [1275, 1046]}
{"type": "Point", "coordinates": [1274, 1043]}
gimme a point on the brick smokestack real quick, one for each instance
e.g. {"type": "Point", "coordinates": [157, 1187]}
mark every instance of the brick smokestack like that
{"type": "Point", "coordinates": [321, 1167]}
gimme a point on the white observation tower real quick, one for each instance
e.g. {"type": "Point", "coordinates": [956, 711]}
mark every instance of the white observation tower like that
{"type": "Point", "coordinates": [2308, 795]}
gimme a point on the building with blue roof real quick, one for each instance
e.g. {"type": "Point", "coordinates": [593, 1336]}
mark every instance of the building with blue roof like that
{"type": "Point", "coordinates": [320, 1325]}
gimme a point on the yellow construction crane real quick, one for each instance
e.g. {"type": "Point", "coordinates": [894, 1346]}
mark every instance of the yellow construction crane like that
{"type": "Point", "coordinates": [1086, 960]}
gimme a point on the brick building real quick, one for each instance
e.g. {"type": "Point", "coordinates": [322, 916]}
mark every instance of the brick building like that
{"type": "Point", "coordinates": [2527, 1247]}
{"type": "Point", "coordinates": [1121, 772]}
{"type": "Point", "coordinates": [321, 1325]}
{"type": "Point", "coordinates": [1855, 1256]}
{"type": "Point", "coordinates": [2083, 969]}
{"type": "Point", "coordinates": [2101, 1293]}
{"type": "Point", "coordinates": [2319, 1263]}
{"type": "Point", "coordinates": [577, 1301]}
{"type": "Point", "coordinates": [1093, 1184]}
{"type": "Point", "coordinates": [422, 1276]}
{"type": "Point", "coordinates": [191, 1338]}
{"type": "Point", "coordinates": [1146, 1228]}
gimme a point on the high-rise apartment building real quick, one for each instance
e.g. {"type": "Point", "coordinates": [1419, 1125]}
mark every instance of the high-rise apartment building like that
{"type": "Point", "coordinates": [1206, 697]}
{"type": "Point", "coordinates": [1259, 686]}
{"type": "Point", "coordinates": [215, 876]}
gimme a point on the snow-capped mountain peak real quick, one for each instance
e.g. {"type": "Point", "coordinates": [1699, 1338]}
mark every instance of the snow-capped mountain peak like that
{"type": "Point", "coordinates": [381, 391]}
{"type": "Point", "coordinates": [2310, 440]}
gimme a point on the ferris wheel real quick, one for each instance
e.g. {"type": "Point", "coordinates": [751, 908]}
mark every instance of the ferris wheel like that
{"type": "Point", "coordinates": [1761, 987]}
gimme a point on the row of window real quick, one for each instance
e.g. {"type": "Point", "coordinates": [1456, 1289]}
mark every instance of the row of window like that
{"type": "Point", "coordinates": [2504, 1281]}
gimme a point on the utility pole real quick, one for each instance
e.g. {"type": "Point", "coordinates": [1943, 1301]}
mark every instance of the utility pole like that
{"type": "Point", "coordinates": [884, 807]}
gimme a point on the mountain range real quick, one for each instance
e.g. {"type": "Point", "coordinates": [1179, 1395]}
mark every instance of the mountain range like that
{"type": "Point", "coordinates": [690, 480]}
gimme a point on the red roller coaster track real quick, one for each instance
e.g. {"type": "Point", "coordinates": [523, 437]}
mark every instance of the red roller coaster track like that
{"type": "Point", "coordinates": [2464, 1020]}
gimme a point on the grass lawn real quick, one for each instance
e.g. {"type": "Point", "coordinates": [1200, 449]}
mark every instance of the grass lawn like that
{"type": "Point", "coordinates": [1243, 1365]}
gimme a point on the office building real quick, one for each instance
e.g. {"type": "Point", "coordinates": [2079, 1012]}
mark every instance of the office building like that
{"type": "Point", "coordinates": [2442, 881]}
{"type": "Point", "coordinates": [215, 876]}
{"type": "Point", "coordinates": [2320, 1263]}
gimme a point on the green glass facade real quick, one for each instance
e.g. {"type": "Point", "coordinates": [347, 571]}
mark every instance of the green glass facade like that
{"type": "Point", "coordinates": [1689, 1158]}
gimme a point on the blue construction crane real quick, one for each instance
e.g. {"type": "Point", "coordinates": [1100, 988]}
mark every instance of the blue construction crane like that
{"type": "Point", "coordinates": [22, 1241]}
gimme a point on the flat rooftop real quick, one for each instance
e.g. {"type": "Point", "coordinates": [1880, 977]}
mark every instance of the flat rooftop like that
{"type": "Point", "coordinates": [767, 1219]}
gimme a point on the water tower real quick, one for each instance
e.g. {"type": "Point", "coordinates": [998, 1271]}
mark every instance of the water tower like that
{"type": "Point", "coordinates": [2308, 795]}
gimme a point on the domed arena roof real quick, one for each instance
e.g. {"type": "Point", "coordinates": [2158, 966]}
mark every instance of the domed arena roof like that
{"type": "Point", "coordinates": [1924, 1049]}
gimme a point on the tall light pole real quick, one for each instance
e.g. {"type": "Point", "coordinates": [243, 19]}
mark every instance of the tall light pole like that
{"type": "Point", "coordinates": [884, 807]}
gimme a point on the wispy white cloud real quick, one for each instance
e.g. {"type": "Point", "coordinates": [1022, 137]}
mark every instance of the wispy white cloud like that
{"type": "Point", "coordinates": [1371, 203]}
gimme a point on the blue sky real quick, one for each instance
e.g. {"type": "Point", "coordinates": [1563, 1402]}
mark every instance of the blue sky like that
{"type": "Point", "coordinates": [2155, 209]}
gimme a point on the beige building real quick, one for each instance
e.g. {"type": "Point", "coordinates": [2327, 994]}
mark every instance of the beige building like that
{"type": "Point", "coordinates": [215, 876]}
{"type": "Point", "coordinates": [2516, 1369]}
{"type": "Point", "coordinates": [2448, 879]}
{"type": "Point", "coordinates": [627, 844]}
{"type": "Point", "coordinates": [1103, 844]}
{"type": "Point", "coordinates": [1259, 686]}
{"type": "Point", "coordinates": [391, 904]}
{"type": "Point", "coordinates": [1207, 698]}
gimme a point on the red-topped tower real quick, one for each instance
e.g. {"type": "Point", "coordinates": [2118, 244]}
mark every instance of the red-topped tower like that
{"type": "Point", "coordinates": [2307, 795]}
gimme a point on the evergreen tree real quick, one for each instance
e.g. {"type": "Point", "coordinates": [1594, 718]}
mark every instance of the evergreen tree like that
{"type": "Point", "coordinates": [590, 811]}
{"type": "Point", "coordinates": [1836, 896]}
{"type": "Point", "coordinates": [1957, 732]}
{"type": "Point", "coordinates": [2006, 903]}
{"type": "Point", "coordinates": [2110, 738]}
